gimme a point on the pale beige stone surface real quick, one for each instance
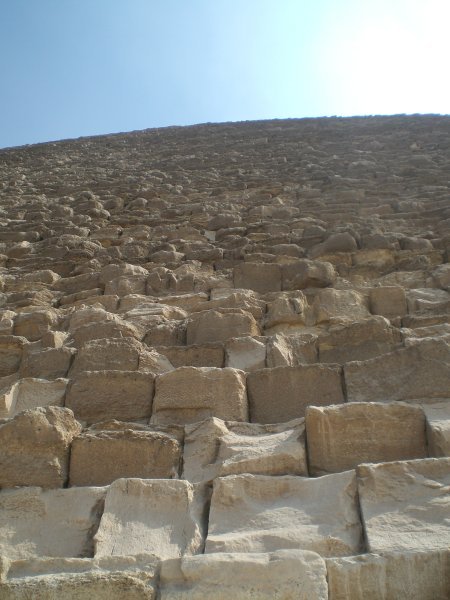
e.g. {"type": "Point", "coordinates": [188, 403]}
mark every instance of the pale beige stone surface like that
{"type": "Point", "coordinates": [438, 427]}
{"type": "Point", "coordinates": [215, 448]}
{"type": "Point", "coordinates": [260, 277]}
{"type": "Point", "coordinates": [419, 371]}
{"type": "Point", "coordinates": [341, 437]}
{"type": "Point", "coordinates": [161, 516]}
{"type": "Point", "coordinates": [391, 576]}
{"type": "Point", "coordinates": [280, 575]}
{"type": "Point", "coordinates": [99, 395]}
{"type": "Point", "coordinates": [106, 578]}
{"type": "Point", "coordinates": [11, 350]}
{"type": "Point", "coordinates": [35, 447]}
{"type": "Point", "coordinates": [245, 353]}
{"type": "Point", "coordinates": [213, 326]}
{"type": "Point", "coordinates": [190, 394]}
{"type": "Point", "coordinates": [283, 393]}
{"type": "Point", "coordinates": [291, 350]}
{"type": "Point", "coordinates": [388, 301]}
{"type": "Point", "coordinates": [36, 522]}
{"type": "Point", "coordinates": [113, 450]}
{"type": "Point", "coordinates": [306, 273]}
{"type": "Point", "coordinates": [29, 393]}
{"type": "Point", "coordinates": [339, 304]}
{"type": "Point", "coordinates": [257, 513]}
{"type": "Point", "coordinates": [406, 504]}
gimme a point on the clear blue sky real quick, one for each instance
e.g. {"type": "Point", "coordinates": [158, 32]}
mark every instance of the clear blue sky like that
{"type": "Point", "coordinates": [84, 67]}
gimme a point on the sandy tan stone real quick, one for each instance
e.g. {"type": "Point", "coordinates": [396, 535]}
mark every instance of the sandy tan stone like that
{"type": "Point", "coordinates": [29, 393]}
{"type": "Point", "coordinates": [190, 394]}
{"type": "Point", "coordinates": [246, 353]}
{"type": "Point", "coordinates": [11, 350]}
{"type": "Point", "coordinates": [306, 273]}
{"type": "Point", "coordinates": [388, 301]}
{"type": "Point", "coordinates": [213, 326]}
{"type": "Point", "coordinates": [391, 576]}
{"type": "Point", "coordinates": [291, 350]}
{"type": "Point", "coordinates": [406, 505]}
{"type": "Point", "coordinates": [158, 516]}
{"type": "Point", "coordinates": [46, 363]}
{"type": "Point", "coordinates": [113, 450]}
{"type": "Point", "coordinates": [341, 437]}
{"type": "Point", "coordinates": [339, 304]}
{"type": "Point", "coordinates": [204, 355]}
{"type": "Point", "coordinates": [260, 277]}
{"type": "Point", "coordinates": [257, 513]}
{"type": "Point", "coordinates": [438, 427]}
{"type": "Point", "coordinates": [283, 393]}
{"type": "Point", "coordinates": [215, 448]}
{"type": "Point", "coordinates": [279, 575]}
{"type": "Point", "coordinates": [35, 447]}
{"type": "Point", "coordinates": [35, 522]}
{"type": "Point", "coordinates": [100, 395]}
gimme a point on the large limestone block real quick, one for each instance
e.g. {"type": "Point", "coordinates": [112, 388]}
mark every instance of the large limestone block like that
{"type": "Point", "coordinates": [163, 517]}
{"type": "Point", "coordinates": [213, 326]}
{"type": "Point", "coordinates": [360, 340]}
{"type": "Point", "coordinates": [34, 325]}
{"type": "Point", "coordinates": [246, 353]}
{"type": "Point", "coordinates": [438, 427]}
{"type": "Point", "coordinates": [106, 578]}
{"type": "Point", "coordinates": [291, 350]}
{"type": "Point", "coordinates": [34, 522]}
{"type": "Point", "coordinates": [306, 273]}
{"type": "Point", "coordinates": [30, 393]}
{"type": "Point", "coordinates": [392, 576]}
{"type": "Point", "coordinates": [341, 437]}
{"type": "Point", "coordinates": [258, 513]}
{"type": "Point", "coordinates": [47, 363]}
{"type": "Point", "coordinates": [342, 305]}
{"type": "Point", "coordinates": [35, 446]}
{"type": "Point", "coordinates": [280, 575]}
{"type": "Point", "coordinates": [260, 277]}
{"type": "Point", "coordinates": [190, 394]}
{"type": "Point", "coordinates": [113, 450]}
{"type": "Point", "coordinates": [205, 355]}
{"type": "Point", "coordinates": [406, 505]}
{"type": "Point", "coordinates": [421, 370]}
{"type": "Point", "coordinates": [11, 350]}
{"type": "Point", "coordinates": [215, 448]}
{"type": "Point", "coordinates": [388, 301]}
{"type": "Point", "coordinates": [283, 393]}
{"type": "Point", "coordinates": [100, 395]}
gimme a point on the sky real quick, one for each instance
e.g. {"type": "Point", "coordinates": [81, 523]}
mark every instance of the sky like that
{"type": "Point", "coordinates": [72, 68]}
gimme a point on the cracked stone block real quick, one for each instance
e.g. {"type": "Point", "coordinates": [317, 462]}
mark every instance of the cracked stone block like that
{"type": "Point", "coordinates": [283, 393]}
{"type": "Point", "coordinates": [279, 575]}
{"type": "Point", "coordinates": [339, 304]}
{"type": "Point", "coordinates": [246, 353]}
{"type": "Point", "coordinates": [190, 394]}
{"type": "Point", "coordinates": [438, 427]}
{"type": "Point", "coordinates": [388, 301]}
{"type": "Point", "coordinates": [258, 513]}
{"type": "Point", "coordinates": [31, 393]}
{"type": "Point", "coordinates": [260, 277]}
{"type": "Point", "coordinates": [35, 447]}
{"type": "Point", "coordinates": [306, 273]}
{"type": "Point", "coordinates": [213, 326]}
{"type": "Point", "coordinates": [47, 363]}
{"type": "Point", "coordinates": [36, 522]}
{"type": "Point", "coordinates": [406, 505]}
{"type": "Point", "coordinates": [341, 437]}
{"type": "Point", "coordinates": [114, 450]}
{"type": "Point", "coordinates": [11, 351]}
{"type": "Point", "coordinates": [215, 448]}
{"type": "Point", "coordinates": [101, 395]}
{"type": "Point", "coordinates": [163, 517]}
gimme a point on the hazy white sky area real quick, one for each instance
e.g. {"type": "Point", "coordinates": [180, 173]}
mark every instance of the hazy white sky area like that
{"type": "Point", "coordinates": [85, 67]}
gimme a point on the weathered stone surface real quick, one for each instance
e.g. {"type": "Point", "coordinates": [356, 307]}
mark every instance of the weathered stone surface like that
{"type": "Point", "coordinates": [11, 350]}
{"type": "Point", "coordinates": [283, 393]}
{"type": "Point", "coordinates": [388, 301]}
{"type": "Point", "coordinates": [213, 326]}
{"type": "Point", "coordinates": [260, 277]}
{"type": "Point", "coordinates": [339, 304]}
{"type": "Point", "coordinates": [114, 450]}
{"type": "Point", "coordinates": [105, 578]}
{"type": "Point", "coordinates": [160, 516]}
{"type": "Point", "coordinates": [308, 273]}
{"type": "Point", "coordinates": [406, 505]}
{"type": "Point", "coordinates": [190, 394]}
{"type": "Point", "coordinates": [31, 393]}
{"type": "Point", "coordinates": [214, 448]}
{"type": "Point", "coordinates": [35, 522]}
{"type": "Point", "coordinates": [438, 427]}
{"type": "Point", "coordinates": [204, 355]}
{"type": "Point", "coordinates": [279, 575]}
{"type": "Point", "coordinates": [245, 353]}
{"type": "Point", "coordinates": [35, 446]}
{"type": "Point", "coordinates": [100, 395]}
{"type": "Point", "coordinates": [291, 350]}
{"type": "Point", "coordinates": [419, 371]}
{"type": "Point", "coordinates": [46, 363]}
{"type": "Point", "coordinates": [256, 513]}
{"type": "Point", "coordinates": [414, 575]}
{"type": "Point", "coordinates": [341, 437]}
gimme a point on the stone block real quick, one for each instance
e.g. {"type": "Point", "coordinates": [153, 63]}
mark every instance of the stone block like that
{"type": "Point", "coordinates": [36, 522]}
{"type": "Point", "coordinates": [280, 575]}
{"type": "Point", "coordinates": [406, 505]}
{"type": "Point", "coordinates": [246, 353]}
{"type": "Point", "coordinates": [31, 393]}
{"type": "Point", "coordinates": [190, 394]}
{"type": "Point", "coordinates": [204, 355]}
{"type": "Point", "coordinates": [260, 277]}
{"type": "Point", "coordinates": [388, 301]}
{"type": "Point", "coordinates": [213, 326]}
{"type": "Point", "coordinates": [438, 427]}
{"type": "Point", "coordinates": [47, 363]}
{"type": "Point", "coordinates": [283, 393]}
{"type": "Point", "coordinates": [35, 447]}
{"type": "Point", "coordinates": [100, 395]}
{"type": "Point", "coordinates": [11, 351]}
{"type": "Point", "coordinates": [34, 325]}
{"type": "Point", "coordinates": [215, 448]}
{"type": "Point", "coordinates": [306, 273]}
{"type": "Point", "coordinates": [391, 576]}
{"type": "Point", "coordinates": [344, 305]}
{"type": "Point", "coordinates": [156, 516]}
{"type": "Point", "coordinates": [291, 350]}
{"type": "Point", "coordinates": [114, 450]}
{"type": "Point", "coordinates": [258, 513]}
{"type": "Point", "coordinates": [421, 370]}
{"type": "Point", "coordinates": [341, 437]}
